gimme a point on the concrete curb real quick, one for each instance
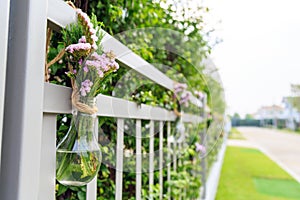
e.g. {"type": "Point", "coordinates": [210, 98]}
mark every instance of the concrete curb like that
{"type": "Point", "coordinates": [249, 144]}
{"type": "Point", "coordinates": [281, 164]}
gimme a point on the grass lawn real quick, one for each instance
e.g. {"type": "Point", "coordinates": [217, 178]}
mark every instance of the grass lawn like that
{"type": "Point", "coordinates": [247, 174]}
{"type": "Point", "coordinates": [235, 134]}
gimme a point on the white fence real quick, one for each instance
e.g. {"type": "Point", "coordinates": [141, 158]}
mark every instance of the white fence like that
{"type": "Point", "coordinates": [31, 106]}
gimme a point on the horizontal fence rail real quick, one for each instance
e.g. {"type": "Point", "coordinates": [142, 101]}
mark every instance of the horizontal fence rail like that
{"type": "Point", "coordinates": [57, 100]}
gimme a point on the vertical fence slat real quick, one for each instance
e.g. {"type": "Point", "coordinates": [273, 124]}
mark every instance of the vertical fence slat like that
{"type": "Point", "coordinates": [119, 164]}
{"type": "Point", "coordinates": [48, 156]}
{"type": "Point", "coordinates": [179, 147]}
{"type": "Point", "coordinates": [203, 138]}
{"type": "Point", "coordinates": [174, 154]}
{"type": "Point", "coordinates": [203, 167]}
{"type": "Point", "coordinates": [138, 186]}
{"type": "Point", "coordinates": [91, 188]}
{"type": "Point", "coordinates": [179, 150]}
{"type": "Point", "coordinates": [4, 18]}
{"type": "Point", "coordinates": [161, 131]}
{"type": "Point", "coordinates": [151, 157]}
{"type": "Point", "coordinates": [169, 157]}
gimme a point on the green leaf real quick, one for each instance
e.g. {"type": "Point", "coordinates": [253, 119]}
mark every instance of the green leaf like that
{"type": "Point", "coordinates": [61, 189]}
{"type": "Point", "coordinates": [81, 195]}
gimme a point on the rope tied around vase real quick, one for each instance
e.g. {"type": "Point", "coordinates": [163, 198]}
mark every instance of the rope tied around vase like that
{"type": "Point", "coordinates": [75, 99]}
{"type": "Point", "coordinates": [177, 113]}
{"type": "Point", "coordinates": [178, 88]}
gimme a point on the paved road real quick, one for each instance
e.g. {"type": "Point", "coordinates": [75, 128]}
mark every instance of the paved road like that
{"type": "Point", "coordinates": [282, 147]}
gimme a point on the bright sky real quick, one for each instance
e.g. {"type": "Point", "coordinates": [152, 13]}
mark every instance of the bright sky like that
{"type": "Point", "coordinates": [260, 54]}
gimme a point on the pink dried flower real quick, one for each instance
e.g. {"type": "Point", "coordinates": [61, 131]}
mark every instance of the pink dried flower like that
{"type": "Point", "coordinates": [94, 46]}
{"type": "Point", "coordinates": [95, 56]}
{"type": "Point", "coordinates": [92, 31]}
{"type": "Point", "coordinates": [94, 38]}
{"type": "Point", "coordinates": [85, 18]}
{"type": "Point", "coordinates": [179, 87]}
{"type": "Point", "coordinates": [78, 47]}
{"type": "Point", "coordinates": [199, 94]}
{"type": "Point", "coordinates": [85, 87]}
{"type": "Point", "coordinates": [89, 25]}
{"type": "Point", "coordinates": [93, 63]}
{"type": "Point", "coordinates": [200, 148]}
{"type": "Point", "coordinates": [100, 73]}
{"type": "Point", "coordinates": [82, 40]}
{"type": "Point", "coordinates": [85, 69]}
{"type": "Point", "coordinates": [184, 99]}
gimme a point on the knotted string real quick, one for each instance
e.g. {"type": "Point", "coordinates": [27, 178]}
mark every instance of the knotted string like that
{"type": "Point", "coordinates": [75, 98]}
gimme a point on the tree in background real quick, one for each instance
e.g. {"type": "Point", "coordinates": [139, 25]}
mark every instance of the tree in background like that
{"type": "Point", "coordinates": [249, 116]}
{"type": "Point", "coordinates": [236, 116]}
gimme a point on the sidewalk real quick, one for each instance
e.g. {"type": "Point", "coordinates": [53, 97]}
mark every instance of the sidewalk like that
{"type": "Point", "coordinates": [283, 148]}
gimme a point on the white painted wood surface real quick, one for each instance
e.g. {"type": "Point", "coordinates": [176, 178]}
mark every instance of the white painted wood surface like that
{"type": "Point", "coordinates": [161, 159]}
{"type": "Point", "coordinates": [4, 16]}
{"type": "Point", "coordinates": [138, 169]}
{"type": "Point", "coordinates": [48, 158]}
{"type": "Point", "coordinates": [57, 100]}
{"type": "Point", "coordinates": [151, 158]}
{"type": "Point", "coordinates": [169, 157]}
{"type": "Point", "coordinates": [22, 127]}
{"type": "Point", "coordinates": [119, 157]}
{"type": "Point", "coordinates": [92, 186]}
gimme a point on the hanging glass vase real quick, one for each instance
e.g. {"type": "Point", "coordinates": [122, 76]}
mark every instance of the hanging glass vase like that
{"type": "Point", "coordinates": [180, 128]}
{"type": "Point", "coordinates": [78, 155]}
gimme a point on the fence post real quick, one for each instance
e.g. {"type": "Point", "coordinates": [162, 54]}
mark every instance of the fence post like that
{"type": "Point", "coordinates": [4, 18]}
{"type": "Point", "coordinates": [22, 125]}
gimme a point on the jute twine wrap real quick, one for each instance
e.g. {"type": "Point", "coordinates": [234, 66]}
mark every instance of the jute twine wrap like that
{"type": "Point", "coordinates": [70, 3]}
{"type": "Point", "coordinates": [177, 113]}
{"type": "Point", "coordinates": [75, 98]}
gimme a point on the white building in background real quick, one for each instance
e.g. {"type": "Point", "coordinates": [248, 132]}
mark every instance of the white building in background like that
{"type": "Point", "coordinates": [288, 112]}
{"type": "Point", "coordinates": [266, 113]}
{"type": "Point", "coordinates": [269, 112]}
{"type": "Point", "coordinates": [291, 111]}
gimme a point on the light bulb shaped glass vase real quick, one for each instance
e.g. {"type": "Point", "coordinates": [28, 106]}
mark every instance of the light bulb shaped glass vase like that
{"type": "Point", "coordinates": [78, 155]}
